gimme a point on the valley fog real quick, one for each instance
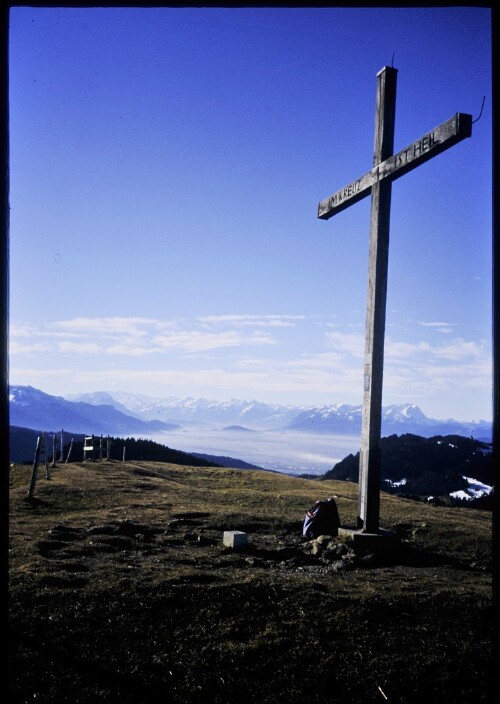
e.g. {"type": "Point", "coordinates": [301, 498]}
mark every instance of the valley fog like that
{"type": "Point", "coordinates": [285, 451]}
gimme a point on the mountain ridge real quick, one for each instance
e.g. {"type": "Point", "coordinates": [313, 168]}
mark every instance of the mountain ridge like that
{"type": "Point", "coordinates": [33, 408]}
{"type": "Point", "coordinates": [332, 418]}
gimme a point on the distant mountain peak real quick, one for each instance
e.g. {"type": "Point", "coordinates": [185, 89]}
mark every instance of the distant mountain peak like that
{"type": "Point", "coordinates": [403, 411]}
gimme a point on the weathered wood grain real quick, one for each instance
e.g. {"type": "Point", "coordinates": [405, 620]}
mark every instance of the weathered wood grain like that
{"type": "Point", "coordinates": [432, 143]}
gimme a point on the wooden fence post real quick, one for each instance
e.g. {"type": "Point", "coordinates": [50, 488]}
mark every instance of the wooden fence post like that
{"type": "Point", "coordinates": [69, 451]}
{"type": "Point", "coordinates": [54, 445]}
{"type": "Point", "coordinates": [35, 468]}
{"type": "Point", "coordinates": [46, 451]}
{"type": "Point", "coordinates": [43, 446]}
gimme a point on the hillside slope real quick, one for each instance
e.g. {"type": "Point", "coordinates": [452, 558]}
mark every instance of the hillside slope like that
{"type": "Point", "coordinates": [121, 590]}
{"type": "Point", "coordinates": [415, 465]}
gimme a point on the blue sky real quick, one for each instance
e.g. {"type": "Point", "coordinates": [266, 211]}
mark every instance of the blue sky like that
{"type": "Point", "coordinates": [166, 167]}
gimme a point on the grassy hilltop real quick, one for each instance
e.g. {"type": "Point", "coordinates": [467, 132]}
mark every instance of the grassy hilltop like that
{"type": "Point", "coordinates": [121, 591]}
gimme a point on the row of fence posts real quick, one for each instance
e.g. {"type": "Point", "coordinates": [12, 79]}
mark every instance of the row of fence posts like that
{"type": "Point", "coordinates": [91, 445]}
{"type": "Point", "coordinates": [42, 448]}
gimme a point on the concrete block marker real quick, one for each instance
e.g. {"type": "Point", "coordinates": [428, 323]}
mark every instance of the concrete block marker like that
{"type": "Point", "coordinates": [384, 542]}
{"type": "Point", "coordinates": [234, 539]}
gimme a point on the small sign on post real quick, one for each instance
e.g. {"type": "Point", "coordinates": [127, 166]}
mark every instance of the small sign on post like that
{"type": "Point", "coordinates": [88, 447]}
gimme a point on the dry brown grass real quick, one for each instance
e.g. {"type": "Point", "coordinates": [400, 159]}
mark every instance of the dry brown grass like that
{"type": "Point", "coordinates": [121, 590]}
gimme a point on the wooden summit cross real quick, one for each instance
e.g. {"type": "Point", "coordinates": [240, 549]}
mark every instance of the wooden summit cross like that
{"type": "Point", "coordinates": [387, 167]}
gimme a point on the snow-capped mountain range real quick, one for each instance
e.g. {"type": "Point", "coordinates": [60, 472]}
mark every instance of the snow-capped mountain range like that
{"type": "Point", "coordinates": [396, 419]}
{"type": "Point", "coordinates": [120, 413]}
{"type": "Point", "coordinates": [196, 410]}
{"type": "Point", "coordinates": [32, 408]}
{"type": "Point", "coordinates": [337, 418]}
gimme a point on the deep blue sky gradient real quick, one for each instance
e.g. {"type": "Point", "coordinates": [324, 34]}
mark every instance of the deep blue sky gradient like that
{"type": "Point", "coordinates": [166, 166]}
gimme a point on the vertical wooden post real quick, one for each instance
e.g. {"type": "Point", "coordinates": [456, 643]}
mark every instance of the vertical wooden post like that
{"type": "Point", "coordinates": [61, 454]}
{"type": "Point", "coordinates": [46, 450]}
{"type": "Point", "coordinates": [369, 463]}
{"type": "Point", "coordinates": [31, 490]}
{"type": "Point", "coordinates": [124, 452]}
{"type": "Point", "coordinates": [54, 445]}
{"type": "Point", "coordinates": [69, 451]}
{"type": "Point", "coordinates": [47, 470]}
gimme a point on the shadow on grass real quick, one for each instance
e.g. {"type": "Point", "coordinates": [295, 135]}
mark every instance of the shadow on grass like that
{"type": "Point", "coordinates": [410, 556]}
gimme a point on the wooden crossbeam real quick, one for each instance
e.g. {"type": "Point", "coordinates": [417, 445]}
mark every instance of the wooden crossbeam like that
{"type": "Point", "coordinates": [430, 145]}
